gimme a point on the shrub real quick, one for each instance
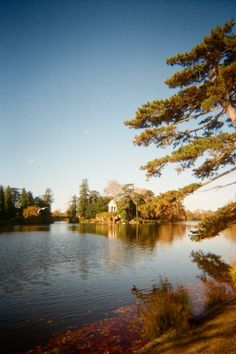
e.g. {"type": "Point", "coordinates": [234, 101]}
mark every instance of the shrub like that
{"type": "Point", "coordinates": [215, 294]}
{"type": "Point", "coordinates": [106, 216]}
{"type": "Point", "coordinates": [36, 215]}
{"type": "Point", "coordinates": [233, 274]}
{"type": "Point", "coordinates": [164, 309]}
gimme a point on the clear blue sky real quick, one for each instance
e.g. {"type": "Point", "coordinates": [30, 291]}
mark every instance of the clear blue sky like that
{"type": "Point", "coordinates": [72, 71]}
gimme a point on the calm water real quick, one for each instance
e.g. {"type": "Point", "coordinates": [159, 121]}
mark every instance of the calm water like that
{"type": "Point", "coordinates": [62, 276]}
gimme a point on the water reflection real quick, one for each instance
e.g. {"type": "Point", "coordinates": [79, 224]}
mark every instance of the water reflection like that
{"type": "Point", "coordinates": [76, 274]}
{"type": "Point", "coordinates": [112, 232]}
{"type": "Point", "coordinates": [211, 266]}
{"type": "Point", "coordinates": [99, 229]}
{"type": "Point", "coordinates": [23, 228]}
{"type": "Point", "coordinates": [216, 279]}
{"type": "Point", "coordinates": [146, 235]}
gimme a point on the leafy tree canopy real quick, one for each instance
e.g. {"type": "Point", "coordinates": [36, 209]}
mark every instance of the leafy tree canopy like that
{"type": "Point", "coordinates": [198, 121]}
{"type": "Point", "coordinates": [167, 207]}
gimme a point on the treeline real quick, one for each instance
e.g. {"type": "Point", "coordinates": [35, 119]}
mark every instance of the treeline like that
{"type": "Point", "coordinates": [87, 205]}
{"type": "Point", "coordinates": [20, 206]}
{"type": "Point", "coordinates": [90, 204]}
{"type": "Point", "coordinates": [132, 204]}
{"type": "Point", "coordinates": [199, 215]}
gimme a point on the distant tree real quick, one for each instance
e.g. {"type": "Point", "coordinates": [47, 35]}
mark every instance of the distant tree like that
{"type": "Point", "coordinates": [83, 198]}
{"type": "Point", "coordinates": [113, 189]}
{"type": "Point", "coordinates": [23, 199]}
{"type": "Point", "coordinates": [16, 198]}
{"type": "Point", "coordinates": [198, 122]}
{"type": "Point", "coordinates": [99, 206]}
{"type": "Point", "coordinates": [127, 189]}
{"type": "Point", "coordinates": [168, 206]}
{"type": "Point", "coordinates": [93, 196]}
{"type": "Point", "coordinates": [126, 208]}
{"type": "Point", "coordinates": [126, 199]}
{"type": "Point", "coordinates": [58, 215]}
{"type": "Point", "coordinates": [2, 201]}
{"type": "Point", "coordinates": [72, 210]}
{"type": "Point", "coordinates": [39, 202]}
{"type": "Point", "coordinates": [9, 203]}
{"type": "Point", "coordinates": [29, 198]}
{"type": "Point", "coordinates": [145, 194]}
{"type": "Point", "coordinates": [48, 198]}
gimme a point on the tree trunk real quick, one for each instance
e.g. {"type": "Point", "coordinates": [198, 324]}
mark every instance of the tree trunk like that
{"type": "Point", "coordinates": [231, 111]}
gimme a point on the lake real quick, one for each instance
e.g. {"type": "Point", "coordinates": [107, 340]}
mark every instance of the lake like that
{"type": "Point", "coordinates": [62, 276]}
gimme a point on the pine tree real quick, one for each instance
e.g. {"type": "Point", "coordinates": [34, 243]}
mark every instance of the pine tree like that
{"type": "Point", "coordinates": [2, 207]}
{"type": "Point", "coordinates": [23, 199]}
{"type": "Point", "coordinates": [9, 203]}
{"type": "Point", "coordinates": [83, 198]}
{"type": "Point", "coordinates": [198, 122]}
{"type": "Point", "coordinates": [29, 198]}
{"type": "Point", "coordinates": [72, 210]}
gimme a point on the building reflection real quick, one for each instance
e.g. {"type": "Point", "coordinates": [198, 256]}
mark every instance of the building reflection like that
{"type": "Point", "coordinates": [112, 231]}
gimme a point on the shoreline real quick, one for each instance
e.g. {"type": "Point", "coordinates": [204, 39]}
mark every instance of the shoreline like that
{"type": "Point", "coordinates": [213, 332]}
{"type": "Point", "coordinates": [124, 332]}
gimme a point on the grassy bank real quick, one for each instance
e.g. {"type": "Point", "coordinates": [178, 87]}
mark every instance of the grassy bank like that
{"type": "Point", "coordinates": [215, 333]}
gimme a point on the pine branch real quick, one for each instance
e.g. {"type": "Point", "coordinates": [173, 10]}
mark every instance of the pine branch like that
{"type": "Point", "coordinates": [200, 185]}
{"type": "Point", "coordinates": [211, 226]}
{"type": "Point", "coordinates": [221, 146]}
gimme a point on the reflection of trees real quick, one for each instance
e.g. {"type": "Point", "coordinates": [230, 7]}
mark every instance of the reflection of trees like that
{"type": "Point", "coordinates": [145, 235]}
{"type": "Point", "coordinates": [167, 233]}
{"type": "Point", "coordinates": [72, 227]}
{"type": "Point", "coordinates": [148, 235]}
{"type": "Point", "coordinates": [32, 228]}
{"type": "Point", "coordinates": [212, 266]}
{"type": "Point", "coordinates": [216, 278]}
{"type": "Point", "coordinates": [99, 229]}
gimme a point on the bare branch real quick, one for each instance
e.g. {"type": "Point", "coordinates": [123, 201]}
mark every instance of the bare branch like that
{"type": "Point", "coordinates": [207, 124]}
{"type": "Point", "coordinates": [196, 116]}
{"type": "Point", "coordinates": [219, 187]}
{"type": "Point", "coordinates": [218, 176]}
